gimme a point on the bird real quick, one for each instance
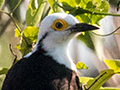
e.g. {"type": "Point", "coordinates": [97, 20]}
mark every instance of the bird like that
{"type": "Point", "coordinates": [48, 66]}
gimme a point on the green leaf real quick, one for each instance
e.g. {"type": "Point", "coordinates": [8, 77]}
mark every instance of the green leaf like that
{"type": "Point", "coordinates": [3, 71]}
{"type": "Point", "coordinates": [85, 10]}
{"type": "Point", "coordinates": [81, 65]}
{"type": "Point", "coordinates": [83, 18]}
{"type": "Point", "coordinates": [31, 34]}
{"type": "Point", "coordinates": [1, 2]}
{"type": "Point", "coordinates": [87, 40]}
{"type": "Point", "coordinates": [84, 80]}
{"type": "Point", "coordinates": [77, 1]}
{"type": "Point", "coordinates": [24, 48]}
{"type": "Point", "coordinates": [28, 38]}
{"type": "Point", "coordinates": [113, 64]}
{"type": "Point", "coordinates": [72, 3]}
{"type": "Point", "coordinates": [100, 80]}
{"type": "Point", "coordinates": [17, 33]}
{"type": "Point", "coordinates": [34, 13]}
{"type": "Point", "coordinates": [109, 88]}
{"type": "Point", "coordinates": [54, 6]}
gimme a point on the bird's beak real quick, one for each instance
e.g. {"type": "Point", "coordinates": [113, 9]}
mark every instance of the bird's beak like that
{"type": "Point", "coordinates": [80, 27]}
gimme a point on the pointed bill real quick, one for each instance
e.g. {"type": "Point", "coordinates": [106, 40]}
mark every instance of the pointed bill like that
{"type": "Point", "coordinates": [80, 27]}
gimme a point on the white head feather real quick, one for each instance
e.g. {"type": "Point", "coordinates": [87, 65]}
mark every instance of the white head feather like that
{"type": "Point", "coordinates": [56, 41]}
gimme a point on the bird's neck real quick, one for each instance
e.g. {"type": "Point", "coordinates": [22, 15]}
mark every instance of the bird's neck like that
{"type": "Point", "coordinates": [57, 50]}
{"type": "Point", "coordinates": [59, 54]}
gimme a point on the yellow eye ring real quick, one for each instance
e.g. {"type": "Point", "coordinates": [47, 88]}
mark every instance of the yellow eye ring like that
{"type": "Point", "coordinates": [59, 24]}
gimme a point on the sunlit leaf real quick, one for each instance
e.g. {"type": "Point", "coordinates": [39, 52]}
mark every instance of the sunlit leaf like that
{"type": "Point", "coordinates": [53, 5]}
{"type": "Point", "coordinates": [70, 2]}
{"type": "Point", "coordinates": [17, 33]}
{"type": "Point", "coordinates": [113, 64]}
{"type": "Point", "coordinates": [34, 12]}
{"type": "Point", "coordinates": [81, 65]}
{"type": "Point", "coordinates": [28, 38]}
{"type": "Point", "coordinates": [86, 8]}
{"type": "Point", "coordinates": [84, 80]}
{"type": "Point", "coordinates": [31, 33]}
{"type": "Point", "coordinates": [100, 80]}
{"type": "Point", "coordinates": [109, 88]}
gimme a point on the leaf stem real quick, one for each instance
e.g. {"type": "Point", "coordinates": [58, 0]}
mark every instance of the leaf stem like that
{"type": "Point", "coordinates": [16, 6]}
{"type": "Point", "coordinates": [10, 15]}
{"type": "Point", "coordinates": [95, 13]}
{"type": "Point", "coordinates": [78, 10]}
{"type": "Point", "coordinates": [15, 59]}
{"type": "Point", "coordinates": [103, 13]}
{"type": "Point", "coordinates": [96, 80]}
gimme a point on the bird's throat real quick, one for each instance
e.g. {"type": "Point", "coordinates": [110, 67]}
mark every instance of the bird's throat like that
{"type": "Point", "coordinates": [60, 55]}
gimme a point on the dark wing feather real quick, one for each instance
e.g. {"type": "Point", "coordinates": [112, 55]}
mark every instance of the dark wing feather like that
{"type": "Point", "coordinates": [40, 72]}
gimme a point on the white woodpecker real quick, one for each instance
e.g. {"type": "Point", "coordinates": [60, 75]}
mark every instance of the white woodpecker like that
{"type": "Point", "coordinates": [48, 66]}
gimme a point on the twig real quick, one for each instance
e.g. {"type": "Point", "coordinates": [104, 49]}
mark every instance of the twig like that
{"type": "Point", "coordinates": [107, 34]}
{"type": "Point", "coordinates": [15, 59]}
{"type": "Point", "coordinates": [80, 10]}
{"type": "Point", "coordinates": [10, 15]}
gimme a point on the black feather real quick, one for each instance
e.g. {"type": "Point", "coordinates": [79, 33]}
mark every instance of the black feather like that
{"type": "Point", "coordinates": [40, 72]}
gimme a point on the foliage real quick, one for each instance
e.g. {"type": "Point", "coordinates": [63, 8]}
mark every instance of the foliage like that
{"type": "Point", "coordinates": [3, 71]}
{"type": "Point", "coordinates": [88, 11]}
{"type": "Point", "coordinates": [28, 37]}
{"type": "Point", "coordinates": [81, 65]}
{"type": "Point", "coordinates": [96, 83]}
{"type": "Point", "coordinates": [113, 64]}
{"type": "Point", "coordinates": [34, 13]}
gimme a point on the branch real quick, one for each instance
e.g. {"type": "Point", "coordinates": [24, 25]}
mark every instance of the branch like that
{"type": "Point", "coordinates": [15, 59]}
{"type": "Point", "coordinates": [78, 10]}
{"type": "Point", "coordinates": [107, 34]}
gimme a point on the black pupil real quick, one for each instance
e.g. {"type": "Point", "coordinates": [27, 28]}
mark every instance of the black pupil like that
{"type": "Point", "coordinates": [58, 25]}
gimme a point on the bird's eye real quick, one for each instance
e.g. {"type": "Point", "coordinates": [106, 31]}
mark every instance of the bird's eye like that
{"type": "Point", "coordinates": [59, 25]}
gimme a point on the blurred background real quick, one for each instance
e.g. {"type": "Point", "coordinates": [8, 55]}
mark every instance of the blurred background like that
{"type": "Point", "coordinates": [107, 47]}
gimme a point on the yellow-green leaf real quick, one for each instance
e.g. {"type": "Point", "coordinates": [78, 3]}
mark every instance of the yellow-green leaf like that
{"type": "Point", "coordinates": [31, 33]}
{"type": "Point", "coordinates": [17, 33]}
{"type": "Point", "coordinates": [28, 38]}
{"type": "Point", "coordinates": [34, 13]}
{"type": "Point", "coordinates": [100, 80]}
{"type": "Point", "coordinates": [84, 80]}
{"type": "Point", "coordinates": [81, 65]}
{"type": "Point", "coordinates": [109, 88]}
{"type": "Point", "coordinates": [113, 64]}
{"type": "Point", "coordinates": [54, 6]}
{"type": "Point", "coordinates": [70, 2]}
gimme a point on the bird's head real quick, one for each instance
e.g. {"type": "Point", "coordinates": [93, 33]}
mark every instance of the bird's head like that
{"type": "Point", "coordinates": [55, 32]}
{"type": "Point", "coordinates": [59, 28]}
